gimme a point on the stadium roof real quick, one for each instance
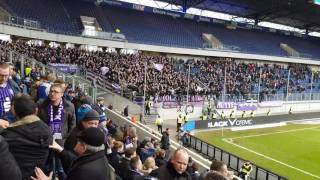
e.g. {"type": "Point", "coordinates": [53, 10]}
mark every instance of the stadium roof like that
{"type": "Point", "coordinates": [302, 14]}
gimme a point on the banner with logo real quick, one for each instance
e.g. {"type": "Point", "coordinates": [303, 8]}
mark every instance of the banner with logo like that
{"type": "Point", "coordinates": [66, 68]}
{"type": "Point", "coordinates": [223, 123]}
{"type": "Point", "coordinates": [226, 105]}
{"type": "Point", "coordinates": [270, 104]}
{"type": "Point", "coordinates": [247, 107]}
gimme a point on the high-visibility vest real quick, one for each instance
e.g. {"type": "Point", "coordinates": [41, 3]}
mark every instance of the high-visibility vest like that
{"type": "Point", "coordinates": [185, 118]}
{"type": "Point", "coordinates": [27, 71]}
{"type": "Point", "coordinates": [252, 114]}
{"type": "Point", "coordinates": [204, 117]}
{"type": "Point", "coordinates": [222, 115]}
{"type": "Point", "coordinates": [243, 114]}
{"type": "Point", "coordinates": [214, 116]}
{"type": "Point", "coordinates": [246, 169]}
{"type": "Point", "coordinates": [232, 115]}
{"type": "Point", "coordinates": [180, 119]}
{"type": "Point", "coordinates": [158, 121]}
{"type": "Point", "coordinates": [269, 113]}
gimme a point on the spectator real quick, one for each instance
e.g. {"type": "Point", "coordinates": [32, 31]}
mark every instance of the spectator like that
{"type": "Point", "coordinates": [44, 88]}
{"type": "Point", "coordinates": [99, 105]}
{"type": "Point", "coordinates": [175, 169]}
{"type": "Point", "coordinates": [195, 171]}
{"type": "Point", "coordinates": [90, 119]}
{"type": "Point", "coordinates": [165, 141]}
{"type": "Point", "coordinates": [135, 167]}
{"type": "Point", "coordinates": [213, 175]}
{"type": "Point", "coordinates": [148, 166]}
{"type": "Point", "coordinates": [221, 167]}
{"type": "Point", "coordinates": [58, 113]}
{"type": "Point", "coordinates": [91, 162]}
{"type": "Point", "coordinates": [28, 137]}
{"type": "Point", "coordinates": [7, 90]}
{"type": "Point", "coordinates": [147, 151]}
{"type": "Point", "coordinates": [126, 111]}
{"type": "Point", "coordinates": [116, 155]}
{"type": "Point", "coordinates": [9, 168]}
{"type": "Point", "coordinates": [124, 168]}
{"type": "Point", "coordinates": [160, 157]}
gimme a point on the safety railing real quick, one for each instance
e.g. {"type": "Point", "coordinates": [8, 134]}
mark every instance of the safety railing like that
{"type": "Point", "coordinates": [234, 162]}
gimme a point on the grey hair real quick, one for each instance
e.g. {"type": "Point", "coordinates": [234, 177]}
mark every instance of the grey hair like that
{"type": "Point", "coordinates": [93, 149]}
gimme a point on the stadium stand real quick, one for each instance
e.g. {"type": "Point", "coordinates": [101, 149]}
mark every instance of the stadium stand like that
{"type": "Point", "coordinates": [166, 78]}
{"type": "Point", "coordinates": [127, 71]}
{"type": "Point", "coordinates": [150, 28]}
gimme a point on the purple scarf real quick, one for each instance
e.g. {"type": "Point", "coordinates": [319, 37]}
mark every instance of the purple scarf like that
{"type": "Point", "coordinates": [56, 120]}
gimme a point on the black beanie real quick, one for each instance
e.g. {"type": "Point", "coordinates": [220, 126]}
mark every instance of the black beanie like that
{"type": "Point", "coordinates": [92, 136]}
{"type": "Point", "coordinates": [91, 115]}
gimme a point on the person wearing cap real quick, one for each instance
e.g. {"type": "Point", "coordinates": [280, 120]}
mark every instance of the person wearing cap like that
{"type": "Point", "coordinates": [103, 124]}
{"type": "Point", "coordinates": [89, 162]}
{"type": "Point", "coordinates": [99, 105]}
{"type": "Point", "coordinates": [90, 119]}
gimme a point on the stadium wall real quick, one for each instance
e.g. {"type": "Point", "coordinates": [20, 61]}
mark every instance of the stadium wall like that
{"type": "Point", "coordinates": [119, 102]}
{"type": "Point", "coordinates": [42, 35]}
{"type": "Point", "coordinates": [144, 131]}
{"type": "Point", "coordinates": [276, 108]}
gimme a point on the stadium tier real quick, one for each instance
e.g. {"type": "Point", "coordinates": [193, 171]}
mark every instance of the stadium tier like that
{"type": "Point", "coordinates": [207, 76]}
{"type": "Point", "coordinates": [149, 28]}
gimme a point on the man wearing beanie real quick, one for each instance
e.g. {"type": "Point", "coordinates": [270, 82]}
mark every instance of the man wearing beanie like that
{"type": "Point", "coordinates": [91, 162]}
{"type": "Point", "coordinates": [90, 119]}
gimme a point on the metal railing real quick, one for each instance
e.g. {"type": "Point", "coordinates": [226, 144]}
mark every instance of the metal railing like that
{"type": "Point", "coordinates": [19, 21]}
{"type": "Point", "coordinates": [75, 80]}
{"type": "Point", "coordinates": [271, 97]}
{"type": "Point", "coordinates": [234, 162]}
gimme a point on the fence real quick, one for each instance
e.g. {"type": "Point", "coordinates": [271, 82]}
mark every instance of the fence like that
{"type": "Point", "coordinates": [271, 97]}
{"type": "Point", "coordinates": [74, 80]}
{"type": "Point", "coordinates": [234, 162]}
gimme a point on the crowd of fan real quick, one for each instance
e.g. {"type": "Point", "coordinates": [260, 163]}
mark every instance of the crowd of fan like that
{"type": "Point", "coordinates": [243, 78]}
{"type": "Point", "coordinates": [207, 76]}
{"type": "Point", "coordinates": [56, 129]}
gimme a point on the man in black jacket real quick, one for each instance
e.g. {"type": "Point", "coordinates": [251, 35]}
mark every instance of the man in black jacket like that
{"type": "Point", "coordinates": [28, 137]}
{"type": "Point", "coordinates": [165, 142]}
{"type": "Point", "coordinates": [175, 169]}
{"type": "Point", "coordinates": [57, 113]}
{"type": "Point", "coordinates": [91, 162]}
{"type": "Point", "coordinates": [9, 168]}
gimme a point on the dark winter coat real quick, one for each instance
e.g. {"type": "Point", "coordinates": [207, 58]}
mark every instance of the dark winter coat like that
{"type": "Point", "coordinates": [94, 166]}
{"type": "Point", "coordinates": [69, 119]}
{"type": "Point", "coordinates": [29, 139]}
{"type": "Point", "coordinates": [9, 168]}
{"type": "Point", "coordinates": [165, 141]}
{"type": "Point", "coordinates": [167, 172]}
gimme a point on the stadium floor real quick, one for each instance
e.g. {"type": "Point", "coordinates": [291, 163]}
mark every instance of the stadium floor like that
{"type": "Point", "coordinates": [292, 151]}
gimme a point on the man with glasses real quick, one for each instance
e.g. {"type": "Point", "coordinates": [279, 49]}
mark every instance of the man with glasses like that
{"type": "Point", "coordinates": [59, 115]}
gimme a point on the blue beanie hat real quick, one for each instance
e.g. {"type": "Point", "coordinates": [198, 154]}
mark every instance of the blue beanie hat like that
{"type": "Point", "coordinates": [82, 111]}
{"type": "Point", "coordinates": [102, 118]}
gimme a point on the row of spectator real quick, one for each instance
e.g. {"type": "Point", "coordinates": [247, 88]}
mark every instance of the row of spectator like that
{"type": "Point", "coordinates": [210, 76]}
{"type": "Point", "coordinates": [64, 132]}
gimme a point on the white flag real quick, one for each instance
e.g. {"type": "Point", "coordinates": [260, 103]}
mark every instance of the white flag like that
{"type": "Point", "coordinates": [158, 67]}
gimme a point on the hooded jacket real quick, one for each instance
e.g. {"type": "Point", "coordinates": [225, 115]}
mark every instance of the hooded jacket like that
{"type": "Point", "coordinates": [29, 140]}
